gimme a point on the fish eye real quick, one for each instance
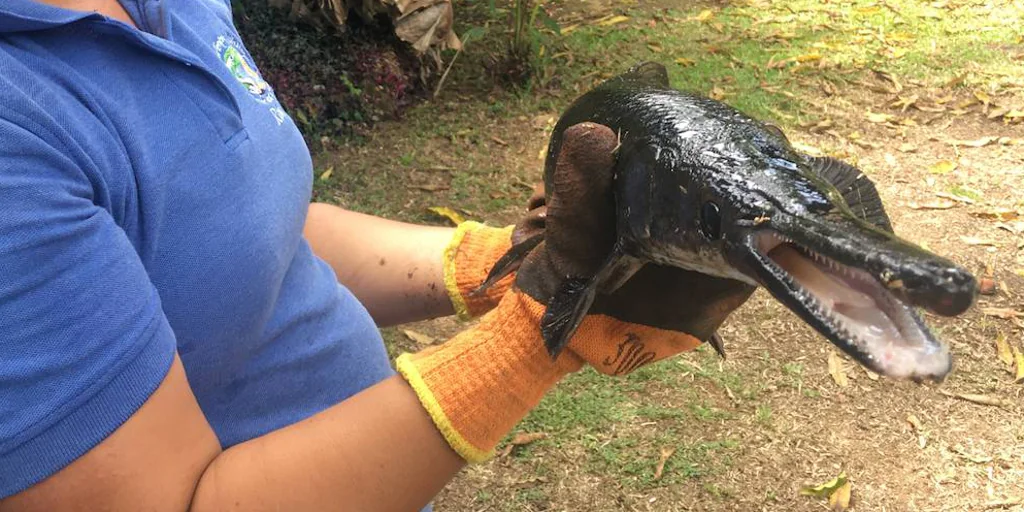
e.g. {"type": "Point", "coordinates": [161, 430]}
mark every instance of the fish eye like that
{"type": "Point", "coordinates": [711, 220]}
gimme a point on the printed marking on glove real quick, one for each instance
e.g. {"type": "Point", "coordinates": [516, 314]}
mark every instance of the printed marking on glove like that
{"type": "Point", "coordinates": [630, 355]}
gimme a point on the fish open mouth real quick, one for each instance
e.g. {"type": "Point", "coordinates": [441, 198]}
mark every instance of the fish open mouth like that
{"type": "Point", "coordinates": [852, 309]}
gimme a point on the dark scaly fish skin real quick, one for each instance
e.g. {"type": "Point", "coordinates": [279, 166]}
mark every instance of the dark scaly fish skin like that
{"type": "Point", "coordinates": [700, 185]}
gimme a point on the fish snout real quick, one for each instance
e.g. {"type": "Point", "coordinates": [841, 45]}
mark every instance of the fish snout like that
{"type": "Point", "coordinates": [947, 291]}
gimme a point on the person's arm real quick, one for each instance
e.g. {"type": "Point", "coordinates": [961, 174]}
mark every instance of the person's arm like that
{"type": "Point", "coordinates": [377, 451]}
{"type": "Point", "coordinates": [394, 269]}
{"type": "Point", "coordinates": [406, 272]}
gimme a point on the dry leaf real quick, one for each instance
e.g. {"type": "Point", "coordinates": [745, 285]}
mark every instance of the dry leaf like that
{"type": "Point", "coordinates": [1012, 227]}
{"type": "Point", "coordinates": [914, 422]}
{"type": "Point", "coordinates": [324, 176]}
{"type": "Point", "coordinates": [704, 15]}
{"type": "Point", "coordinates": [839, 500]}
{"type": "Point", "coordinates": [979, 399]}
{"type": "Point", "coordinates": [1004, 313]}
{"type": "Point", "coordinates": [932, 205]}
{"type": "Point", "coordinates": [871, 375]}
{"type": "Point", "coordinates": [1018, 360]}
{"type": "Point", "coordinates": [955, 197]}
{"type": "Point", "coordinates": [942, 167]}
{"type": "Point", "coordinates": [825, 489]}
{"type": "Point", "coordinates": [835, 369]}
{"type": "Point", "coordinates": [655, 47]}
{"type": "Point", "coordinates": [987, 286]}
{"type": "Point", "coordinates": [716, 93]}
{"type": "Point", "coordinates": [666, 452]}
{"type": "Point", "coordinates": [523, 438]}
{"type": "Point", "coordinates": [1003, 350]}
{"type": "Point", "coordinates": [973, 240]}
{"type": "Point", "coordinates": [421, 339]}
{"type": "Point", "coordinates": [431, 187]}
{"type": "Point", "coordinates": [448, 213]}
{"type": "Point", "coordinates": [614, 20]}
{"type": "Point", "coordinates": [997, 112]}
{"type": "Point", "coordinates": [807, 57]}
{"type": "Point", "coordinates": [998, 214]}
{"type": "Point", "coordinates": [876, 117]}
{"type": "Point", "coordinates": [976, 143]}
{"type": "Point", "coordinates": [684, 62]}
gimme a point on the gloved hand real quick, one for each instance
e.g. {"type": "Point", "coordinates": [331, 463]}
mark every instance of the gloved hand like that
{"type": "Point", "coordinates": [472, 253]}
{"type": "Point", "coordinates": [659, 311]}
{"type": "Point", "coordinates": [479, 384]}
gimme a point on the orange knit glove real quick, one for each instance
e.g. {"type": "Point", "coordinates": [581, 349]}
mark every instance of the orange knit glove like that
{"type": "Point", "coordinates": [481, 383]}
{"type": "Point", "coordinates": [473, 252]}
{"type": "Point", "coordinates": [468, 258]}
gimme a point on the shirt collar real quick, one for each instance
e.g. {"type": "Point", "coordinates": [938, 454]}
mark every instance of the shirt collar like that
{"type": "Point", "coordinates": [30, 15]}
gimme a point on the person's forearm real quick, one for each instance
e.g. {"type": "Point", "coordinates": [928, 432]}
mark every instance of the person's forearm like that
{"type": "Point", "coordinates": [393, 268]}
{"type": "Point", "coordinates": [377, 451]}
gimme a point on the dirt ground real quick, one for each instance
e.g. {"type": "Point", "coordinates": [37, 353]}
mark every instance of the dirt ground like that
{"type": "Point", "coordinates": [749, 432]}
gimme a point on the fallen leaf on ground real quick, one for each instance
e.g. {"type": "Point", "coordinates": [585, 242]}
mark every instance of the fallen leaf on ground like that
{"type": "Point", "coordinates": [955, 197]}
{"type": "Point", "coordinates": [998, 214]}
{"type": "Point", "coordinates": [527, 438]}
{"type": "Point", "coordinates": [666, 452]}
{"type": "Point", "coordinates": [420, 338]}
{"type": "Point", "coordinates": [987, 286]}
{"type": "Point", "coordinates": [452, 215]}
{"type": "Point", "coordinates": [520, 439]}
{"type": "Point", "coordinates": [1013, 502]}
{"type": "Point", "coordinates": [976, 143]}
{"type": "Point", "coordinates": [839, 500]}
{"type": "Point", "coordinates": [835, 369]}
{"type": "Point", "coordinates": [942, 167]}
{"type": "Point", "coordinates": [431, 187]}
{"type": "Point", "coordinates": [876, 117]}
{"type": "Point", "coordinates": [655, 47]}
{"type": "Point", "coordinates": [932, 205]}
{"type": "Point", "coordinates": [914, 422]}
{"type": "Point", "coordinates": [1018, 360]}
{"type": "Point", "coordinates": [871, 375]}
{"type": "Point", "coordinates": [704, 15]}
{"type": "Point", "coordinates": [614, 20]}
{"type": "Point", "coordinates": [324, 176]}
{"type": "Point", "coordinates": [825, 489]}
{"type": "Point", "coordinates": [684, 62]}
{"type": "Point", "coordinates": [1004, 313]}
{"type": "Point", "coordinates": [1012, 227]}
{"type": "Point", "coordinates": [973, 240]}
{"type": "Point", "coordinates": [1003, 350]}
{"type": "Point", "coordinates": [979, 399]}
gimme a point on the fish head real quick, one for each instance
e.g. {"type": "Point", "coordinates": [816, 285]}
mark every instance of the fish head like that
{"type": "Point", "coordinates": [761, 213]}
{"type": "Point", "coordinates": [792, 231]}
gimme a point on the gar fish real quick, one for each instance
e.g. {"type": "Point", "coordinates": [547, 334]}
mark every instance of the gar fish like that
{"type": "Point", "coordinates": [701, 186]}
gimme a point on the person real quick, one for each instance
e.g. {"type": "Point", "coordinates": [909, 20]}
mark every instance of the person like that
{"type": "Point", "coordinates": [182, 330]}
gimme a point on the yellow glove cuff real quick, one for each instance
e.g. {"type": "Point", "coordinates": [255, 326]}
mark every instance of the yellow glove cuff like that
{"type": "Point", "coordinates": [479, 384]}
{"type": "Point", "coordinates": [468, 258]}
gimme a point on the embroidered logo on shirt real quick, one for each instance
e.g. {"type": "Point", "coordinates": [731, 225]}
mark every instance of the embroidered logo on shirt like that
{"type": "Point", "coordinates": [237, 61]}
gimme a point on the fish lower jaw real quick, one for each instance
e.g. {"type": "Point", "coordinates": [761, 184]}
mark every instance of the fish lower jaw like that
{"type": "Point", "coordinates": [854, 311]}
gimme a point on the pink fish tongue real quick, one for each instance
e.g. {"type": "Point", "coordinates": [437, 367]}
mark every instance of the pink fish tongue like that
{"type": "Point", "coordinates": [859, 312]}
{"type": "Point", "coordinates": [828, 289]}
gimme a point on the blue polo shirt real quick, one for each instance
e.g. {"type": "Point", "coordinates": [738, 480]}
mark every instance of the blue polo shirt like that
{"type": "Point", "coordinates": [152, 199]}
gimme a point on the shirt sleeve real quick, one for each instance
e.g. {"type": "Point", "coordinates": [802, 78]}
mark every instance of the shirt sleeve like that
{"type": "Point", "coordinates": [83, 339]}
